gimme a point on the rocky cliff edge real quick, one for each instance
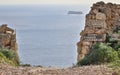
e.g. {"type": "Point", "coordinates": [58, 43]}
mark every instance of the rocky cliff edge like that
{"type": "Point", "coordinates": [101, 20]}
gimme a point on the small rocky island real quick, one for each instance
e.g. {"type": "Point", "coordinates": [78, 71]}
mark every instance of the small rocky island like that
{"type": "Point", "coordinates": [75, 12]}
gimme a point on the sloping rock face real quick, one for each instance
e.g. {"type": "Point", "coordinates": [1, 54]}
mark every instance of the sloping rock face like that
{"type": "Point", "coordinates": [102, 19]}
{"type": "Point", "coordinates": [8, 37]}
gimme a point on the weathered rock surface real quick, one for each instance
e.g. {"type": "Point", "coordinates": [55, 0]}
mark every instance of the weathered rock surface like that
{"type": "Point", "coordinates": [102, 19]}
{"type": "Point", "coordinates": [8, 37]}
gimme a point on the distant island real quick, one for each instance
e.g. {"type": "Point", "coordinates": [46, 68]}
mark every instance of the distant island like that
{"type": "Point", "coordinates": [75, 12]}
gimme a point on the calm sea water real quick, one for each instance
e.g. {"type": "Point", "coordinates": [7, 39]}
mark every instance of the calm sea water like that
{"type": "Point", "coordinates": [46, 34]}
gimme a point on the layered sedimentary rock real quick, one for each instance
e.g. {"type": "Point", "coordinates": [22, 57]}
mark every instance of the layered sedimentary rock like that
{"type": "Point", "coordinates": [102, 19]}
{"type": "Point", "coordinates": [8, 37]}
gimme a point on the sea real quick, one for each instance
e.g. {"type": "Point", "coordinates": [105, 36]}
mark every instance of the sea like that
{"type": "Point", "coordinates": [46, 34]}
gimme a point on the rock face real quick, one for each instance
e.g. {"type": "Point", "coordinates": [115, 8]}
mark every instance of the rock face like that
{"type": "Point", "coordinates": [8, 37]}
{"type": "Point", "coordinates": [102, 19]}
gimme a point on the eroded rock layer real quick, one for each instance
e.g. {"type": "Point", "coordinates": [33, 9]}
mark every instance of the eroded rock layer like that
{"type": "Point", "coordinates": [102, 19]}
{"type": "Point", "coordinates": [8, 37]}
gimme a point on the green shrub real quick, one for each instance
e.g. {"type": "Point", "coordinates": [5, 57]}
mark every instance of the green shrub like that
{"type": "Point", "coordinates": [9, 55]}
{"type": "Point", "coordinates": [114, 64]}
{"type": "Point", "coordinates": [2, 57]}
{"type": "Point", "coordinates": [116, 46]}
{"type": "Point", "coordinates": [100, 53]}
{"type": "Point", "coordinates": [118, 52]}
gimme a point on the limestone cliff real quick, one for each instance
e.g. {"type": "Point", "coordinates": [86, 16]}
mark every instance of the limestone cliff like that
{"type": "Point", "coordinates": [102, 19]}
{"type": "Point", "coordinates": [8, 38]}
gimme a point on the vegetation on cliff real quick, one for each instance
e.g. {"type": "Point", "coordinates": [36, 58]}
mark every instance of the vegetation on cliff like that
{"type": "Point", "coordinates": [100, 39]}
{"type": "Point", "coordinates": [9, 57]}
{"type": "Point", "coordinates": [8, 46]}
{"type": "Point", "coordinates": [100, 54]}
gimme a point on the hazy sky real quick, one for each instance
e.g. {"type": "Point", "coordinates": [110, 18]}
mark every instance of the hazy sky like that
{"type": "Point", "coordinates": [87, 2]}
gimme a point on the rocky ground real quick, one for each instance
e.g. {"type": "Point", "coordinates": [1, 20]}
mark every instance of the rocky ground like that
{"type": "Point", "coordinates": [84, 70]}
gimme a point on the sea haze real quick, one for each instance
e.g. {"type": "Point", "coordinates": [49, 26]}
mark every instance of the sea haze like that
{"type": "Point", "coordinates": [46, 34]}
